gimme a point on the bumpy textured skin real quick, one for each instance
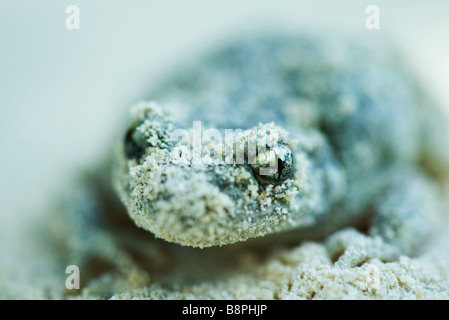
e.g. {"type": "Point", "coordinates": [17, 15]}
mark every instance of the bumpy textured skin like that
{"type": "Point", "coordinates": [363, 134]}
{"type": "Point", "coordinates": [351, 117]}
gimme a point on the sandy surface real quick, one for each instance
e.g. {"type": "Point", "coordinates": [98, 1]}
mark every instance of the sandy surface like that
{"type": "Point", "coordinates": [302, 271]}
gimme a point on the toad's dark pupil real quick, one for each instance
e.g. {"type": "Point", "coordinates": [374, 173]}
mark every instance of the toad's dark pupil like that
{"type": "Point", "coordinates": [267, 171]}
{"type": "Point", "coordinates": [135, 146]}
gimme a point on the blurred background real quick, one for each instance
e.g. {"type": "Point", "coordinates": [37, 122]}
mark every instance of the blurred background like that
{"type": "Point", "coordinates": [65, 92]}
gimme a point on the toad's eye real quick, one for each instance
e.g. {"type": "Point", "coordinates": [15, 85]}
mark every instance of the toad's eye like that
{"type": "Point", "coordinates": [135, 142]}
{"type": "Point", "coordinates": [273, 165]}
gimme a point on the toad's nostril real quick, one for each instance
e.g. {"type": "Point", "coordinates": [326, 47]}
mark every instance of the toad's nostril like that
{"type": "Point", "coordinates": [273, 165]}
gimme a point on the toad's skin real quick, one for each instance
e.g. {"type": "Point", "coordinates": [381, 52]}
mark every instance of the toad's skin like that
{"type": "Point", "coordinates": [365, 142]}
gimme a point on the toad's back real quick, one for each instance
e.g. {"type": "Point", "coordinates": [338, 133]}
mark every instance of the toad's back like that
{"type": "Point", "coordinates": [354, 95]}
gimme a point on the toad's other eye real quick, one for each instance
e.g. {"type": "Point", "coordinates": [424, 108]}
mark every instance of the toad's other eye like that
{"type": "Point", "coordinates": [273, 165]}
{"type": "Point", "coordinates": [135, 142]}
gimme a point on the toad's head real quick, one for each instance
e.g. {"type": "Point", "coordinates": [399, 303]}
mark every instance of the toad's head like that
{"type": "Point", "coordinates": [199, 189]}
